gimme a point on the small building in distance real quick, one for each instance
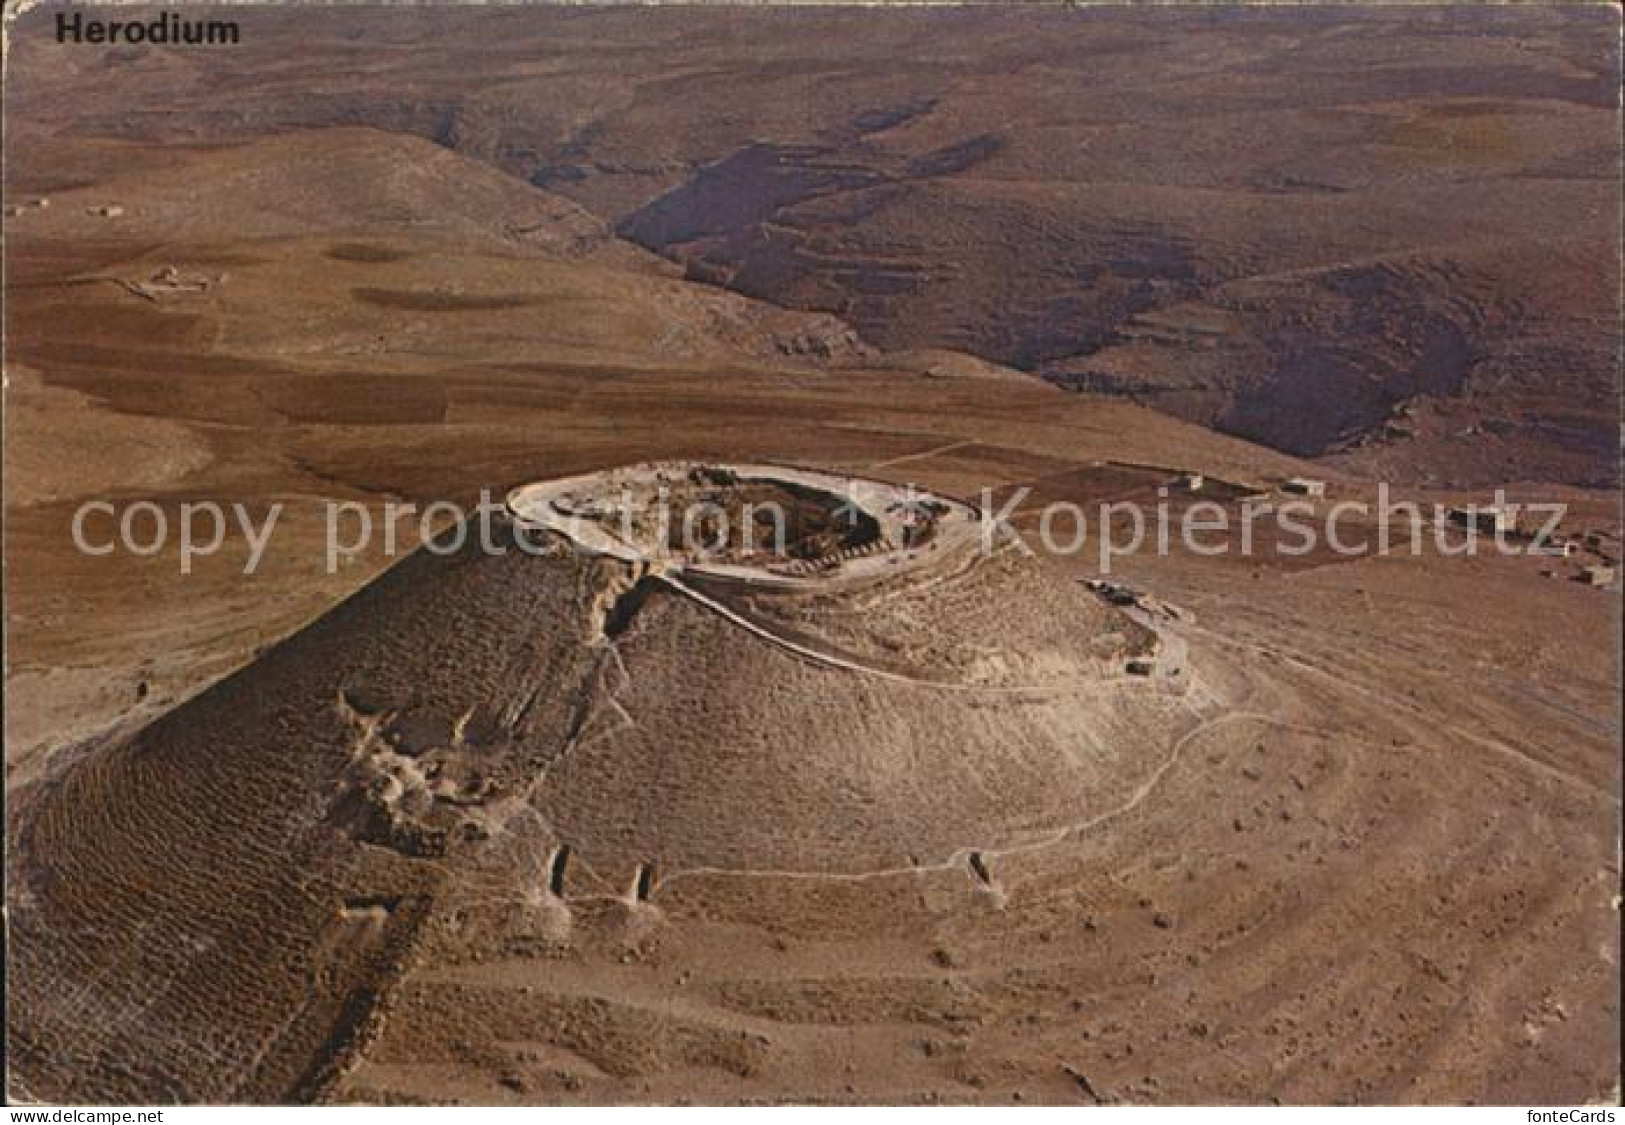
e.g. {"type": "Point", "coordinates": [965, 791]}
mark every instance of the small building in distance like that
{"type": "Point", "coordinates": [1114, 594]}
{"type": "Point", "coordinates": [1305, 486]}
{"type": "Point", "coordinates": [1486, 518]}
{"type": "Point", "coordinates": [1597, 575]}
{"type": "Point", "coordinates": [1190, 482]}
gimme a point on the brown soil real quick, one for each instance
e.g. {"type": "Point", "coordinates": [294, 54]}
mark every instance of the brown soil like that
{"type": "Point", "coordinates": [544, 830]}
{"type": "Point", "coordinates": [1354, 235]}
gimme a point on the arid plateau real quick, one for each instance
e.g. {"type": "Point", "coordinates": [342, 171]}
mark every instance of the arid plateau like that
{"type": "Point", "coordinates": [867, 805]}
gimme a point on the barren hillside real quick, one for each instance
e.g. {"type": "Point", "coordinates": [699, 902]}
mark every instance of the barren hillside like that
{"type": "Point", "coordinates": [927, 824]}
{"type": "Point", "coordinates": [1172, 206]}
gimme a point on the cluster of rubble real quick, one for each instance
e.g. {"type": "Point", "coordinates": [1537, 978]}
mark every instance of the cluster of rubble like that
{"type": "Point", "coordinates": [39, 203]}
{"type": "Point", "coordinates": [404, 791]}
{"type": "Point", "coordinates": [1126, 597]}
{"type": "Point", "coordinates": [1504, 520]}
{"type": "Point", "coordinates": [170, 282]}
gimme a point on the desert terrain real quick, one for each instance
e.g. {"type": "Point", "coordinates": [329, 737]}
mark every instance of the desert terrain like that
{"type": "Point", "coordinates": [555, 827]}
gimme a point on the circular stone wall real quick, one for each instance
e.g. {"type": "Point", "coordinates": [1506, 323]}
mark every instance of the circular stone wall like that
{"type": "Point", "coordinates": [763, 524]}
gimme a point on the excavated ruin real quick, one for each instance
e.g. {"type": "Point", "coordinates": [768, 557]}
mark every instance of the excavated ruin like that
{"type": "Point", "coordinates": [560, 724]}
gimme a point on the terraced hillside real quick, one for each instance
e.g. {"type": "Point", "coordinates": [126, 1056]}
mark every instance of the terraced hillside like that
{"type": "Point", "coordinates": [1211, 820]}
{"type": "Point", "coordinates": [461, 839]}
{"type": "Point", "coordinates": [479, 719]}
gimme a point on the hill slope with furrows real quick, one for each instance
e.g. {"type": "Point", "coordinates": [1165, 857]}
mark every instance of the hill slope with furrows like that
{"type": "Point", "coordinates": [511, 829]}
{"type": "Point", "coordinates": [1036, 186]}
{"type": "Point", "coordinates": [525, 828]}
{"type": "Point", "coordinates": [199, 919]}
{"type": "Point", "coordinates": [215, 907]}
